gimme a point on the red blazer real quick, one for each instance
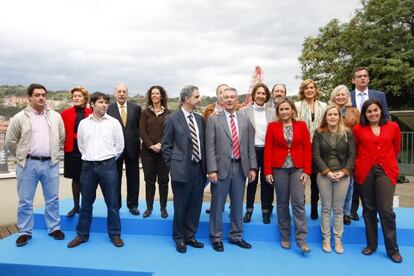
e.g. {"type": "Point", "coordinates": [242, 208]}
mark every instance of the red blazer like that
{"type": "Point", "coordinates": [69, 116]}
{"type": "Point", "coordinates": [276, 149]}
{"type": "Point", "coordinates": [379, 150]}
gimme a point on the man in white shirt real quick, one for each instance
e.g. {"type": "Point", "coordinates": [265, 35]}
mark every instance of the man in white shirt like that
{"type": "Point", "coordinates": [100, 142]}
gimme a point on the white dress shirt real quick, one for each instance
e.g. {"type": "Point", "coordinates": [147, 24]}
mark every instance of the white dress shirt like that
{"type": "Point", "coordinates": [100, 139]}
{"type": "Point", "coordinates": [260, 124]}
{"type": "Point", "coordinates": [360, 98]}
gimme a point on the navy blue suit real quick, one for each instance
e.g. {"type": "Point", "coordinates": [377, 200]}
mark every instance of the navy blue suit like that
{"type": "Point", "coordinates": [373, 94]}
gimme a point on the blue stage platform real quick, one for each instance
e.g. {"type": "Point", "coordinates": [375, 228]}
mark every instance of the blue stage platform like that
{"type": "Point", "coordinates": [149, 250]}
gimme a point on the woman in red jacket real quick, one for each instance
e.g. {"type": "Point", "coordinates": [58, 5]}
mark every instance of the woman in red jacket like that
{"type": "Point", "coordinates": [287, 166]}
{"type": "Point", "coordinates": [378, 143]}
{"type": "Point", "coordinates": [72, 159]}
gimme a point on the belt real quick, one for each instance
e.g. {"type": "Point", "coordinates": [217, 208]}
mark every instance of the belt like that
{"type": "Point", "coordinates": [39, 158]}
{"type": "Point", "coordinates": [98, 162]}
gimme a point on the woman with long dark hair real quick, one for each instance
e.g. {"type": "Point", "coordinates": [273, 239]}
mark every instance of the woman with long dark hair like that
{"type": "Point", "coordinates": [378, 142]}
{"type": "Point", "coordinates": [151, 129]}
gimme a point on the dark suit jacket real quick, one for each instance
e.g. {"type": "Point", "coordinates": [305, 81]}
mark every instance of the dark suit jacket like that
{"type": "Point", "coordinates": [325, 153]}
{"type": "Point", "coordinates": [176, 145]}
{"type": "Point", "coordinates": [131, 130]}
{"type": "Point", "coordinates": [373, 94]}
{"type": "Point", "coordinates": [220, 145]}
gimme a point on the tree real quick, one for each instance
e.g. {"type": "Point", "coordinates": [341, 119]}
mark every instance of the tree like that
{"type": "Point", "coordinates": [380, 36]}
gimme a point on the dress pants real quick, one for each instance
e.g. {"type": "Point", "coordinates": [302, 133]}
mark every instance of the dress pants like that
{"type": "Point", "coordinates": [154, 167]}
{"type": "Point", "coordinates": [348, 197]}
{"type": "Point", "coordinates": [188, 198]}
{"type": "Point", "coordinates": [132, 179]}
{"type": "Point", "coordinates": [314, 190]}
{"type": "Point", "coordinates": [233, 186]}
{"type": "Point", "coordinates": [27, 181]}
{"type": "Point", "coordinates": [332, 198]}
{"type": "Point", "coordinates": [356, 195]}
{"type": "Point", "coordinates": [266, 190]}
{"type": "Point", "coordinates": [104, 173]}
{"type": "Point", "coordinates": [377, 194]}
{"type": "Point", "coordinates": [288, 185]}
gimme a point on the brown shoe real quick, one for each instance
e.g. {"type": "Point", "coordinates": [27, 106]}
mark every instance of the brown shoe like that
{"type": "Point", "coordinates": [117, 241]}
{"type": "Point", "coordinates": [285, 244]}
{"type": "Point", "coordinates": [75, 242]}
{"type": "Point", "coordinates": [23, 240]}
{"type": "Point", "coordinates": [57, 235]}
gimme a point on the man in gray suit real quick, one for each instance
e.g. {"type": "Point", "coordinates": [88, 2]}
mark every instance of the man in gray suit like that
{"type": "Point", "coordinates": [231, 158]}
{"type": "Point", "coordinates": [183, 149]}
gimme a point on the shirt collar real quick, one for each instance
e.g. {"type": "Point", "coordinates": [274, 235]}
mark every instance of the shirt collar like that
{"type": "Point", "coordinates": [119, 106]}
{"type": "Point", "coordinates": [186, 114]}
{"type": "Point", "coordinates": [258, 108]}
{"type": "Point", "coordinates": [228, 114]}
{"type": "Point", "coordinates": [106, 116]}
{"type": "Point", "coordinates": [360, 92]}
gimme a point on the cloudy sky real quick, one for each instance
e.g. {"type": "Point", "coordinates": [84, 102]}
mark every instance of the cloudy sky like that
{"type": "Point", "coordinates": [98, 43]}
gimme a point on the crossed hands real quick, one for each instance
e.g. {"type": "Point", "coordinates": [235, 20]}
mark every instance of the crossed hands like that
{"type": "Point", "coordinates": [335, 176]}
{"type": "Point", "coordinates": [156, 147]}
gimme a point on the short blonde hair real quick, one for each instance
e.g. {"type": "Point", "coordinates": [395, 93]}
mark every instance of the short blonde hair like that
{"type": "Point", "coordinates": [84, 92]}
{"type": "Point", "coordinates": [304, 84]}
{"type": "Point", "coordinates": [335, 91]}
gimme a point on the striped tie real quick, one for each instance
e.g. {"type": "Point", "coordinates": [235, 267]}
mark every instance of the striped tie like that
{"type": "Point", "coordinates": [194, 140]}
{"type": "Point", "coordinates": [234, 138]}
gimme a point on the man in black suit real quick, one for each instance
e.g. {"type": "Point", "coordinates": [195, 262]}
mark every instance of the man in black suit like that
{"type": "Point", "coordinates": [360, 78]}
{"type": "Point", "coordinates": [128, 114]}
{"type": "Point", "coordinates": [183, 149]}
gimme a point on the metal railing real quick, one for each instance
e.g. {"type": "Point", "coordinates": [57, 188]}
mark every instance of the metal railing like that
{"type": "Point", "coordinates": [407, 148]}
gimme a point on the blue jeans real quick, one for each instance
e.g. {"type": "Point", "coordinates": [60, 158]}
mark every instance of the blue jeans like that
{"type": "Point", "coordinates": [27, 180]}
{"type": "Point", "coordinates": [348, 198]}
{"type": "Point", "coordinates": [104, 173]}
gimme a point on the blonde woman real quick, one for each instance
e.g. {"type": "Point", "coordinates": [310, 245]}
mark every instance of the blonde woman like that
{"type": "Point", "coordinates": [341, 97]}
{"type": "Point", "coordinates": [333, 152]}
{"type": "Point", "coordinates": [310, 110]}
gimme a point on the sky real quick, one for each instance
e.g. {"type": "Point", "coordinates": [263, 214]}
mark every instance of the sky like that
{"type": "Point", "coordinates": [173, 43]}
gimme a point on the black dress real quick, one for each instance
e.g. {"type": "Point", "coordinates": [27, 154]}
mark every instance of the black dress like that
{"type": "Point", "coordinates": [72, 160]}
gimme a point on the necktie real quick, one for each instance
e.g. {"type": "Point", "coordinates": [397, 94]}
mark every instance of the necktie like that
{"type": "Point", "coordinates": [123, 115]}
{"type": "Point", "coordinates": [234, 138]}
{"type": "Point", "coordinates": [194, 140]}
{"type": "Point", "coordinates": [363, 99]}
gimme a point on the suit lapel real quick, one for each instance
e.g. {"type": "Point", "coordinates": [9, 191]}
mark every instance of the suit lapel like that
{"type": "Point", "coordinates": [130, 113]}
{"type": "Point", "coordinates": [183, 121]}
{"type": "Point", "coordinates": [223, 121]}
{"type": "Point", "coordinates": [353, 98]}
{"type": "Point", "coordinates": [240, 123]}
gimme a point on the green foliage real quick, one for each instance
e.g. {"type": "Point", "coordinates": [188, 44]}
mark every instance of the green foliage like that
{"type": "Point", "coordinates": [380, 36]}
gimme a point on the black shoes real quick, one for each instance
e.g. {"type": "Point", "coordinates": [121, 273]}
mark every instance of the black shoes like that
{"type": "Point", "coordinates": [75, 242]}
{"type": "Point", "coordinates": [218, 246]}
{"type": "Point", "coordinates": [134, 211]}
{"type": "Point", "coordinates": [57, 235]}
{"type": "Point", "coordinates": [354, 215]}
{"type": "Point", "coordinates": [117, 241]}
{"type": "Point", "coordinates": [368, 251]}
{"type": "Point", "coordinates": [208, 211]}
{"type": "Point", "coordinates": [164, 213]}
{"type": "Point", "coordinates": [347, 220]}
{"type": "Point", "coordinates": [194, 243]}
{"type": "Point", "coordinates": [72, 212]}
{"type": "Point", "coordinates": [242, 243]}
{"type": "Point", "coordinates": [396, 257]}
{"type": "Point", "coordinates": [247, 217]}
{"type": "Point", "coordinates": [180, 247]}
{"type": "Point", "coordinates": [147, 213]}
{"type": "Point", "coordinates": [23, 240]}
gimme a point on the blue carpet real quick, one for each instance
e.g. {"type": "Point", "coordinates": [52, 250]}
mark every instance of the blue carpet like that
{"type": "Point", "coordinates": [149, 250]}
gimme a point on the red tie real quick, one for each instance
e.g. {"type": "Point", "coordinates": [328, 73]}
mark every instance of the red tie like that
{"type": "Point", "coordinates": [234, 138]}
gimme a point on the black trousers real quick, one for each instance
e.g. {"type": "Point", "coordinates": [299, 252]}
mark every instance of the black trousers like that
{"type": "Point", "coordinates": [267, 190]}
{"type": "Point", "coordinates": [314, 190]}
{"type": "Point", "coordinates": [356, 195]}
{"type": "Point", "coordinates": [188, 198]}
{"type": "Point", "coordinates": [377, 194]}
{"type": "Point", "coordinates": [154, 167]}
{"type": "Point", "coordinates": [132, 180]}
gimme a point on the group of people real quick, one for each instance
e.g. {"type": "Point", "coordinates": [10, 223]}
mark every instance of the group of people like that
{"type": "Point", "coordinates": [347, 148]}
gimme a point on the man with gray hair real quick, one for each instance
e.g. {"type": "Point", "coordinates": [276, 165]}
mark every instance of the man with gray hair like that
{"type": "Point", "coordinates": [183, 149]}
